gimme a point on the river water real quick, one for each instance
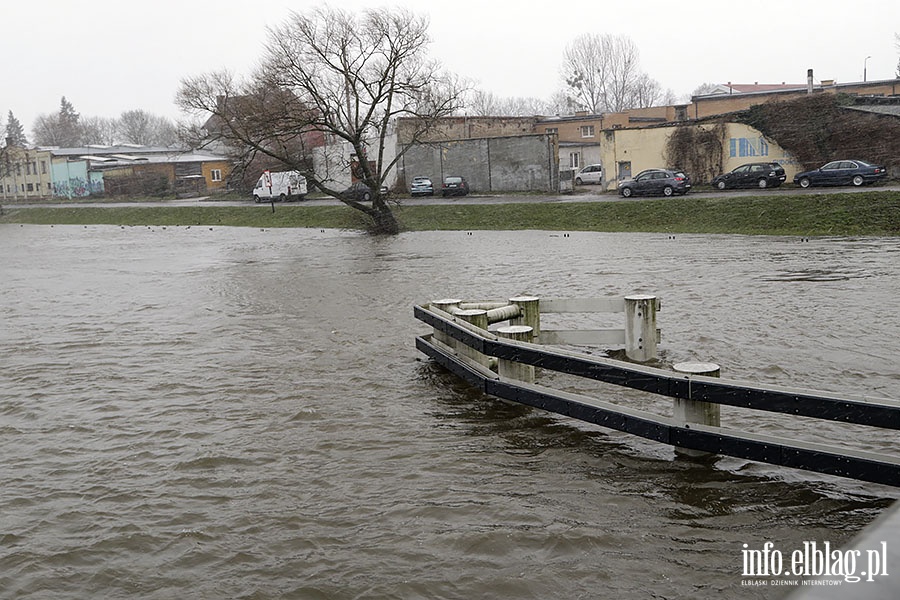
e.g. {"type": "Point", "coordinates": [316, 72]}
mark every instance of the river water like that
{"type": "Point", "coordinates": [239, 413]}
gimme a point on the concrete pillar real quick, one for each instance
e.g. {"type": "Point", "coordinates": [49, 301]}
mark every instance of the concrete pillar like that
{"type": "Point", "coordinates": [512, 369]}
{"type": "Point", "coordinates": [530, 315]}
{"type": "Point", "coordinates": [640, 327]}
{"type": "Point", "coordinates": [447, 305]}
{"type": "Point", "coordinates": [688, 411]}
{"type": "Point", "coordinates": [478, 318]}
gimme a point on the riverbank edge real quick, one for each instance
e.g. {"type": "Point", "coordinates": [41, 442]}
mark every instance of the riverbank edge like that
{"type": "Point", "coordinates": [870, 213]}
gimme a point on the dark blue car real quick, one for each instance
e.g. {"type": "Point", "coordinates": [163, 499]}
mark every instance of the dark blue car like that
{"type": "Point", "coordinates": [842, 172]}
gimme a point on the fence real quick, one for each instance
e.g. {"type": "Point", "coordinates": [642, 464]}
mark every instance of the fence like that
{"type": "Point", "coordinates": [501, 363]}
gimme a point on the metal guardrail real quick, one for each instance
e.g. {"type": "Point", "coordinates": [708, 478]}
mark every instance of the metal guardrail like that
{"type": "Point", "coordinates": [455, 342]}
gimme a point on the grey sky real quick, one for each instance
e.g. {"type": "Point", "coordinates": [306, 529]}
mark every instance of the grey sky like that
{"type": "Point", "coordinates": [108, 56]}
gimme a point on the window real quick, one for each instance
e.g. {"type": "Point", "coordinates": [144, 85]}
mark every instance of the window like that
{"type": "Point", "coordinates": [587, 131]}
{"type": "Point", "coordinates": [30, 187]}
{"type": "Point", "coordinates": [216, 174]}
{"type": "Point", "coordinates": [28, 168]}
{"type": "Point", "coordinates": [43, 167]}
{"type": "Point", "coordinates": [574, 160]}
{"type": "Point", "coordinates": [552, 130]}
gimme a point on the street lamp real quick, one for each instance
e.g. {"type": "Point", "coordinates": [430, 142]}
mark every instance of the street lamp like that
{"type": "Point", "coordinates": [864, 67]}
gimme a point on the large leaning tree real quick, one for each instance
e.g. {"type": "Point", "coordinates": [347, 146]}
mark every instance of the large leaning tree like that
{"type": "Point", "coordinates": [330, 81]}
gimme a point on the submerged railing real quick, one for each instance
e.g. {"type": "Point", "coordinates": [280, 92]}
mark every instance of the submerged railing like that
{"type": "Point", "coordinates": [501, 362]}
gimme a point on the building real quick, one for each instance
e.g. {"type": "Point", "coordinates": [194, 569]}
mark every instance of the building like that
{"type": "Point", "coordinates": [137, 169]}
{"type": "Point", "coordinates": [25, 174]}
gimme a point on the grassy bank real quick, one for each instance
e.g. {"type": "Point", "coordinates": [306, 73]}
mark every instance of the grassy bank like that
{"type": "Point", "coordinates": [861, 213]}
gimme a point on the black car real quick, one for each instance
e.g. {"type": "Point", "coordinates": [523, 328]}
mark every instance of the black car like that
{"type": "Point", "coordinates": [842, 172]}
{"type": "Point", "coordinates": [666, 182]}
{"type": "Point", "coordinates": [360, 191]}
{"type": "Point", "coordinates": [455, 186]}
{"type": "Point", "coordinates": [758, 175]}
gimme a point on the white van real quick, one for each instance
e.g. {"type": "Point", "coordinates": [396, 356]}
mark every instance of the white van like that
{"type": "Point", "coordinates": [589, 174]}
{"type": "Point", "coordinates": [281, 186]}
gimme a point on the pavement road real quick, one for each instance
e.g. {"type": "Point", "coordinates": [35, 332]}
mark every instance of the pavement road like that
{"type": "Point", "coordinates": [581, 194]}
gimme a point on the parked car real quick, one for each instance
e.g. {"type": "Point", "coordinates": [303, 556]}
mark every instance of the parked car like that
{"type": "Point", "coordinates": [357, 191]}
{"type": "Point", "coordinates": [589, 174]}
{"type": "Point", "coordinates": [842, 172]}
{"type": "Point", "coordinates": [761, 175]}
{"type": "Point", "coordinates": [455, 186]}
{"type": "Point", "coordinates": [656, 181]}
{"type": "Point", "coordinates": [421, 186]}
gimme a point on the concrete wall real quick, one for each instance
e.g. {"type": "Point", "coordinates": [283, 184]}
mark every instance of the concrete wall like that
{"type": "Point", "coordinates": [461, 128]}
{"type": "Point", "coordinates": [498, 164]}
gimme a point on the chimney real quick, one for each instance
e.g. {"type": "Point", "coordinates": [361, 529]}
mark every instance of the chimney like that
{"type": "Point", "coordinates": [809, 81]}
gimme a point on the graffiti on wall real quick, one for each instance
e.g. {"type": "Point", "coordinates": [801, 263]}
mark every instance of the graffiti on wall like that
{"type": "Point", "coordinates": [76, 187]}
{"type": "Point", "coordinates": [742, 147]}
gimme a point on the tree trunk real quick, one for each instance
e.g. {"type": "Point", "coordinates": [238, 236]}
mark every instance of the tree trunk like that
{"type": "Point", "coordinates": [385, 223]}
{"type": "Point", "coordinates": [383, 220]}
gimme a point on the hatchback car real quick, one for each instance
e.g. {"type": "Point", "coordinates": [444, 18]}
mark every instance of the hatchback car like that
{"type": "Point", "coordinates": [666, 182]}
{"type": "Point", "coordinates": [455, 186]}
{"type": "Point", "coordinates": [421, 186]}
{"type": "Point", "coordinates": [758, 175]}
{"type": "Point", "coordinates": [842, 172]}
{"type": "Point", "coordinates": [589, 174]}
{"type": "Point", "coordinates": [360, 191]}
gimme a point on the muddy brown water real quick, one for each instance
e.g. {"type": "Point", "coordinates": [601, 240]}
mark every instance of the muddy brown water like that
{"type": "Point", "coordinates": [238, 413]}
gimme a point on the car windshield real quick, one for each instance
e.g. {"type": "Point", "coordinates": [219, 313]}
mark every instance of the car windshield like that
{"type": "Point", "coordinates": [865, 163]}
{"type": "Point", "coordinates": [453, 180]}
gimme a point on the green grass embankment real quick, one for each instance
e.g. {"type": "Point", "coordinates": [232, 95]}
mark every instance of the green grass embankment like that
{"type": "Point", "coordinates": [874, 213]}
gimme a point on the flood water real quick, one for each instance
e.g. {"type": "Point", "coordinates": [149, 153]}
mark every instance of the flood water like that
{"type": "Point", "coordinates": [236, 413]}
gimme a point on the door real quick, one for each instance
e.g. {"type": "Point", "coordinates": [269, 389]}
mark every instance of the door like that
{"type": "Point", "coordinates": [624, 170]}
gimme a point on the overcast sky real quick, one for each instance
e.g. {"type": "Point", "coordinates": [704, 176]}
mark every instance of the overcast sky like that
{"type": "Point", "coordinates": [108, 56]}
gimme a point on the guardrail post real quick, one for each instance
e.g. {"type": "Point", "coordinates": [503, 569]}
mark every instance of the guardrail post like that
{"type": "Point", "coordinates": [478, 318]}
{"type": "Point", "coordinates": [510, 368]}
{"type": "Point", "coordinates": [640, 327]}
{"type": "Point", "coordinates": [447, 305]}
{"type": "Point", "coordinates": [696, 411]}
{"type": "Point", "coordinates": [531, 314]}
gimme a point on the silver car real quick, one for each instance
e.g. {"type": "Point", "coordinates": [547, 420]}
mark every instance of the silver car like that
{"type": "Point", "coordinates": [421, 186]}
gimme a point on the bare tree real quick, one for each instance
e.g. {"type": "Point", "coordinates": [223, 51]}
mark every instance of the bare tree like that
{"type": "Point", "coordinates": [329, 75]}
{"type": "Point", "coordinates": [602, 74]}
{"type": "Point", "coordinates": [99, 130]}
{"type": "Point", "coordinates": [141, 127]}
{"type": "Point", "coordinates": [485, 104]}
{"type": "Point", "coordinates": [897, 46]}
{"type": "Point", "coordinates": [703, 89]}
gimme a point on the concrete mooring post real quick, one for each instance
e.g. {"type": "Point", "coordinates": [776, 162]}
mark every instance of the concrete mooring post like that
{"type": "Point", "coordinates": [640, 327]}
{"type": "Point", "coordinates": [447, 305]}
{"type": "Point", "coordinates": [530, 315]}
{"type": "Point", "coordinates": [510, 368]}
{"type": "Point", "coordinates": [688, 411]}
{"type": "Point", "coordinates": [478, 318]}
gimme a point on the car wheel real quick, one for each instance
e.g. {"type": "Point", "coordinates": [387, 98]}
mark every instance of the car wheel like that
{"type": "Point", "coordinates": [578, 181]}
{"type": "Point", "coordinates": [763, 184]}
{"type": "Point", "coordinates": [721, 185]}
{"type": "Point", "coordinates": [281, 198]}
{"type": "Point", "coordinates": [366, 196]}
{"type": "Point", "coordinates": [804, 182]}
{"type": "Point", "coordinates": [256, 199]}
{"type": "Point", "coordinates": [858, 180]}
{"type": "Point", "coordinates": [668, 191]}
{"type": "Point", "coordinates": [626, 191]}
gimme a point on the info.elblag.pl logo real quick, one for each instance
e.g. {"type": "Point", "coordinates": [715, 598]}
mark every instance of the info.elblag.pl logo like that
{"type": "Point", "coordinates": [813, 560]}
